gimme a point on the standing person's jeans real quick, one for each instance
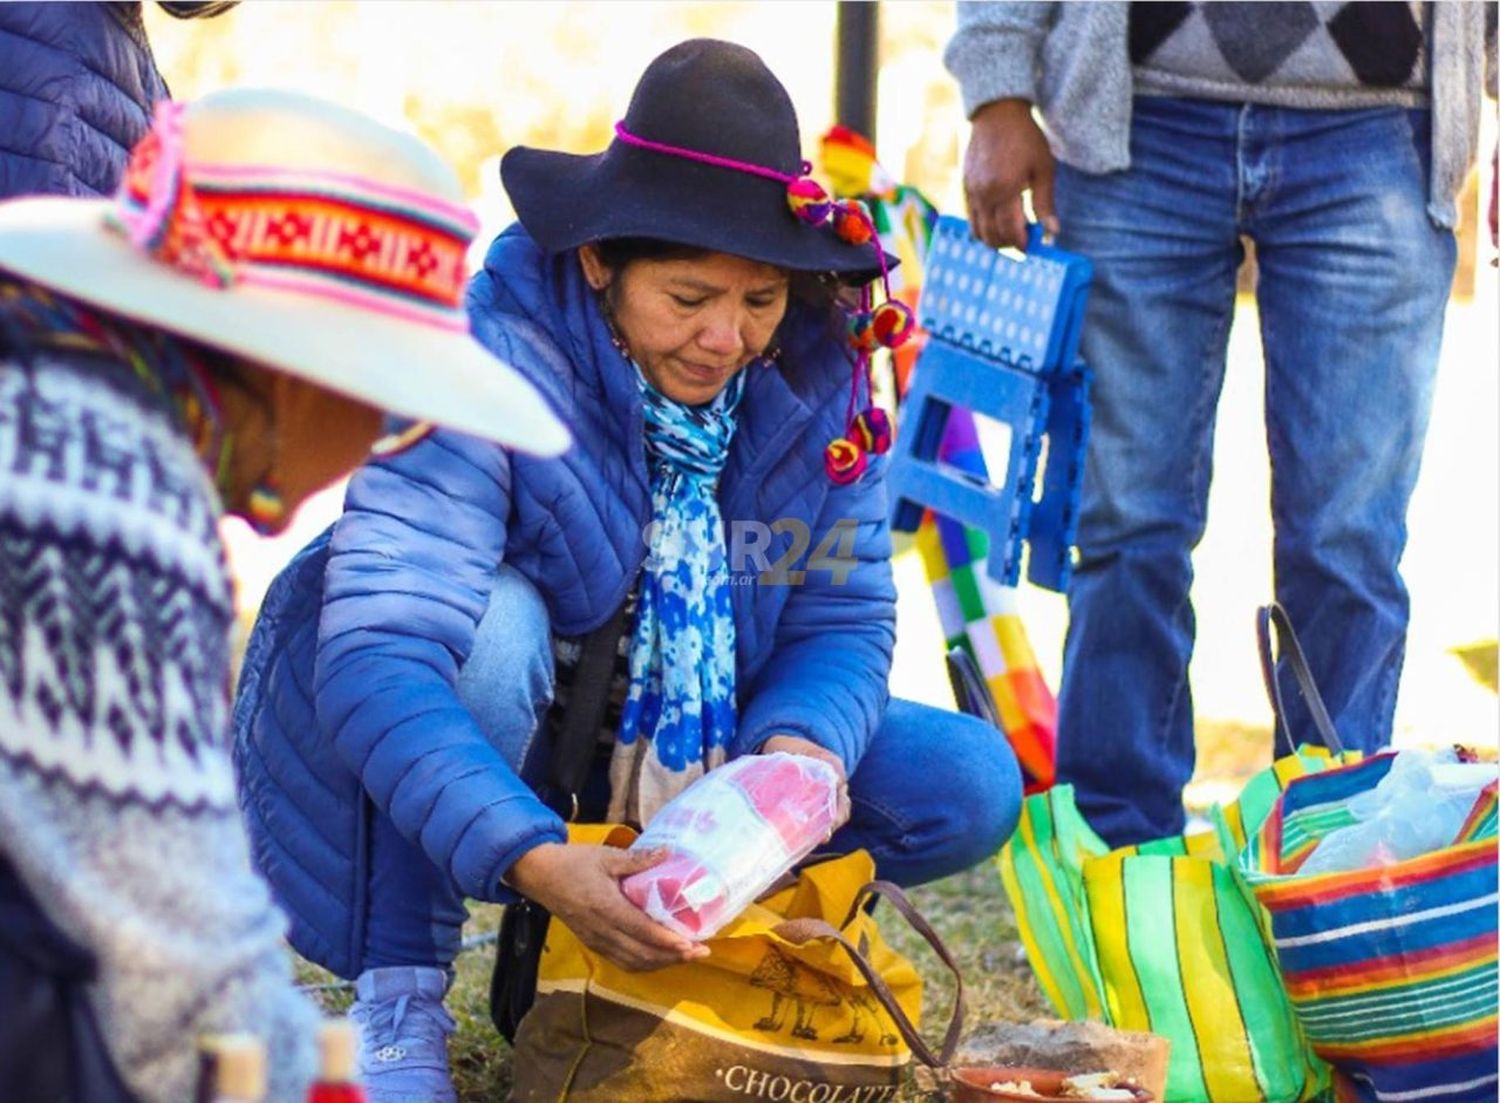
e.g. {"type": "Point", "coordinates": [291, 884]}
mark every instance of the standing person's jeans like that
{"type": "Point", "coordinates": [1353, 282]}
{"type": "Point", "coordinates": [935, 793]}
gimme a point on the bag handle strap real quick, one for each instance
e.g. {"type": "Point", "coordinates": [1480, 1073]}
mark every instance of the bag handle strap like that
{"type": "Point", "coordinates": [969, 690]}
{"type": "Point", "coordinates": [1291, 651]}
{"type": "Point", "coordinates": [577, 731]}
{"type": "Point", "coordinates": [798, 931]}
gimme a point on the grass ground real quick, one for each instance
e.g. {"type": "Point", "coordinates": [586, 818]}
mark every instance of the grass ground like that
{"type": "Point", "coordinates": [969, 911]}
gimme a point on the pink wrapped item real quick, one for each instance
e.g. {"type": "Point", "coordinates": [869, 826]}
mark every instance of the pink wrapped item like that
{"type": "Point", "coordinates": [730, 835]}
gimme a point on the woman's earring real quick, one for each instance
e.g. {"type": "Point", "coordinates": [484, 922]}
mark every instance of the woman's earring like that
{"type": "Point", "coordinates": [615, 336]}
{"type": "Point", "coordinates": [266, 508]}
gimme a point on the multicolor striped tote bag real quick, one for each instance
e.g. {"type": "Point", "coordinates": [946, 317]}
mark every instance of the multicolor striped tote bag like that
{"type": "Point", "coordinates": [1391, 970]}
{"type": "Point", "coordinates": [1162, 937]}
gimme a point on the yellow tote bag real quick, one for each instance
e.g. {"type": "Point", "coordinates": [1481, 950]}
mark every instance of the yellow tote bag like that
{"type": "Point", "coordinates": [799, 999]}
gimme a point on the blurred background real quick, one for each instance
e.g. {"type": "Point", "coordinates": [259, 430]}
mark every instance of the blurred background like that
{"type": "Point", "coordinates": [476, 78]}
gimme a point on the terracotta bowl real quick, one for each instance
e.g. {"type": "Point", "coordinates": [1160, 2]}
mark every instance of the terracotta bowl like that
{"type": "Point", "coordinates": [972, 1085]}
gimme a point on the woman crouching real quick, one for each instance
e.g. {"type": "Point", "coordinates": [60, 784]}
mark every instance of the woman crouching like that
{"type": "Point", "coordinates": [409, 668]}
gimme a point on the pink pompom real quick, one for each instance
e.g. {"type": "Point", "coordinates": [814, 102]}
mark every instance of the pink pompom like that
{"type": "Point", "coordinates": [844, 461]}
{"type": "Point", "coordinates": [893, 323]}
{"type": "Point", "coordinates": [808, 201]}
{"type": "Point", "coordinates": [872, 431]}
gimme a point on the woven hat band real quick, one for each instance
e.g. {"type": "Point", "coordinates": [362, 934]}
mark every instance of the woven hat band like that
{"type": "Point", "coordinates": [333, 235]}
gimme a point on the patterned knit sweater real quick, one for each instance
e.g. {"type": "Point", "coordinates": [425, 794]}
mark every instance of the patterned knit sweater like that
{"type": "Point", "coordinates": [116, 798]}
{"type": "Point", "coordinates": [1326, 54]}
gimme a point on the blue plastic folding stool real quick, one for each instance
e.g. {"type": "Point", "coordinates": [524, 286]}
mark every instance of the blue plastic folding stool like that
{"type": "Point", "coordinates": [1002, 343]}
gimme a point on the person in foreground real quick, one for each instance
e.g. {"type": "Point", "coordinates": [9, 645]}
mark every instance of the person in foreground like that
{"type": "Point", "coordinates": [666, 295]}
{"type": "Point", "coordinates": [211, 340]}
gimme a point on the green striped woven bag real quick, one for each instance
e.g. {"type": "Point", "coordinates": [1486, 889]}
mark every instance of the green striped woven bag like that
{"type": "Point", "coordinates": [1162, 937]}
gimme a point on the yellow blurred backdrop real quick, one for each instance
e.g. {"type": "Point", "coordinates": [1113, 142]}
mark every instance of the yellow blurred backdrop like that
{"type": "Point", "coordinates": [475, 78]}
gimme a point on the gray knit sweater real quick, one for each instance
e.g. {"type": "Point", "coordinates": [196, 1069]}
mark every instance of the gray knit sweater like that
{"type": "Point", "coordinates": [117, 803]}
{"type": "Point", "coordinates": [1072, 60]}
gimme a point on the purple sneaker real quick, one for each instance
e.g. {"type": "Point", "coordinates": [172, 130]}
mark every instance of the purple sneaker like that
{"type": "Point", "coordinates": [404, 1028]}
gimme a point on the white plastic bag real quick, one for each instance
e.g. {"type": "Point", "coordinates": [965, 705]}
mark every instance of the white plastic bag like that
{"type": "Point", "coordinates": [1418, 807]}
{"type": "Point", "coordinates": [730, 835]}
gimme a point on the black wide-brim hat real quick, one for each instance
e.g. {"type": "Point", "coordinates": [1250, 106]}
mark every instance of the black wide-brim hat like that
{"type": "Point", "coordinates": [711, 97]}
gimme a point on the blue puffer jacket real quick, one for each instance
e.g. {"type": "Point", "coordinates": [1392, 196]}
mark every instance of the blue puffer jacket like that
{"type": "Point", "coordinates": [77, 84]}
{"type": "Point", "coordinates": [347, 700]}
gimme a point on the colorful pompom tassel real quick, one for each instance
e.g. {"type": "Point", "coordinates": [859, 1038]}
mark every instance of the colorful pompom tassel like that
{"type": "Point", "coordinates": [844, 461]}
{"type": "Point", "coordinates": [852, 222]}
{"type": "Point", "coordinates": [893, 323]}
{"type": "Point", "coordinates": [872, 431]}
{"type": "Point", "coordinates": [808, 200]}
{"type": "Point", "coordinates": [862, 331]}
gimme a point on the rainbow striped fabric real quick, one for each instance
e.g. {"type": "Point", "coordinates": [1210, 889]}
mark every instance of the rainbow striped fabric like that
{"type": "Point", "coordinates": [1163, 937]}
{"type": "Point", "coordinates": [1392, 970]}
{"type": "Point", "coordinates": [980, 615]}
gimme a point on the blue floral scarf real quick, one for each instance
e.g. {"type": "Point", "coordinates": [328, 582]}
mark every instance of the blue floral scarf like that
{"type": "Point", "coordinates": [679, 714]}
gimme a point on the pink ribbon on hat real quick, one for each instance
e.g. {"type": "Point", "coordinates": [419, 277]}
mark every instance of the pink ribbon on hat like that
{"type": "Point", "coordinates": [823, 210]}
{"type": "Point", "coordinates": [158, 208]}
{"type": "Point", "coordinates": [165, 169]}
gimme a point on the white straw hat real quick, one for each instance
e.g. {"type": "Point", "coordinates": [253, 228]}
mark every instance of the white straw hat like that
{"type": "Point", "coordinates": [301, 235]}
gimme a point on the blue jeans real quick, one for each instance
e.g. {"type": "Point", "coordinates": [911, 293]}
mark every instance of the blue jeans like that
{"type": "Point", "coordinates": [935, 793]}
{"type": "Point", "coordinates": [1353, 280]}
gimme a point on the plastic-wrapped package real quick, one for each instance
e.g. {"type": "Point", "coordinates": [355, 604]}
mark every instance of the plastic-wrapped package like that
{"type": "Point", "coordinates": [1418, 807]}
{"type": "Point", "coordinates": [730, 835]}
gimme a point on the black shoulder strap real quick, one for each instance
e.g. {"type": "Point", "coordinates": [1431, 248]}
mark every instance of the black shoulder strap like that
{"type": "Point", "coordinates": [1291, 654]}
{"type": "Point", "coordinates": [523, 929]}
{"type": "Point", "coordinates": [578, 730]}
{"type": "Point", "coordinates": [970, 692]}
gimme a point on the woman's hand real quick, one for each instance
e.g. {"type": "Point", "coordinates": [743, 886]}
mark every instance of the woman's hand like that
{"type": "Point", "coordinates": [795, 744]}
{"type": "Point", "coordinates": [581, 886]}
